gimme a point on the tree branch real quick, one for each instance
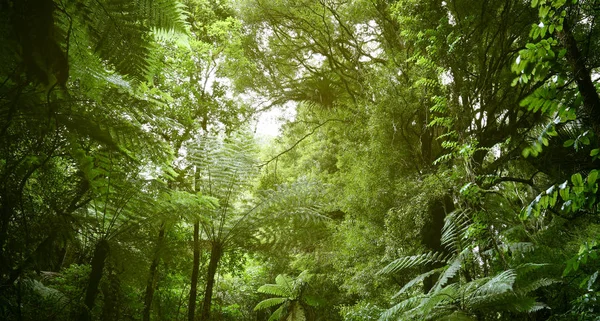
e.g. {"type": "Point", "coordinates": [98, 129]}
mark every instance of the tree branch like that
{"type": "Point", "coordinates": [299, 141]}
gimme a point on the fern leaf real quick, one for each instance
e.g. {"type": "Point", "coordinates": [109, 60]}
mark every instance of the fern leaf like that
{"type": "Point", "coordinates": [274, 289]}
{"type": "Point", "coordinates": [521, 247]}
{"type": "Point", "coordinates": [285, 282]}
{"type": "Point", "coordinates": [527, 268]}
{"type": "Point", "coordinates": [264, 304]}
{"type": "Point", "coordinates": [459, 316]}
{"type": "Point", "coordinates": [277, 314]}
{"type": "Point", "coordinates": [492, 289]}
{"type": "Point", "coordinates": [455, 226]}
{"type": "Point", "coordinates": [537, 307]}
{"type": "Point", "coordinates": [536, 285]}
{"type": "Point", "coordinates": [450, 271]}
{"type": "Point", "coordinates": [412, 261]}
{"type": "Point", "coordinates": [400, 307]}
{"type": "Point", "coordinates": [415, 281]}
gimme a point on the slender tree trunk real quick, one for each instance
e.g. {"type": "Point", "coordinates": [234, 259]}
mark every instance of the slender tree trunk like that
{"type": "Point", "coordinates": [195, 267]}
{"type": "Point", "coordinates": [215, 257]}
{"type": "Point", "coordinates": [152, 275]}
{"type": "Point", "coordinates": [100, 255]}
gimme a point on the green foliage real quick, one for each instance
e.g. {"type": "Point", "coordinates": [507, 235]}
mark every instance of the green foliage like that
{"type": "Point", "coordinates": [442, 162]}
{"type": "Point", "coordinates": [292, 298]}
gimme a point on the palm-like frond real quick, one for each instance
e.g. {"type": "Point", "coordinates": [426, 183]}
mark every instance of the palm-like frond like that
{"type": "Point", "coordinates": [499, 284]}
{"type": "Point", "coordinates": [452, 269]}
{"type": "Point", "coordinates": [265, 304]}
{"type": "Point", "coordinates": [224, 167]}
{"type": "Point", "coordinates": [456, 224]}
{"type": "Point", "coordinates": [120, 32]}
{"type": "Point", "coordinates": [415, 281]}
{"type": "Point", "coordinates": [277, 314]}
{"type": "Point", "coordinates": [413, 261]}
{"type": "Point", "coordinates": [291, 297]}
{"type": "Point", "coordinates": [455, 297]}
{"type": "Point", "coordinates": [275, 289]}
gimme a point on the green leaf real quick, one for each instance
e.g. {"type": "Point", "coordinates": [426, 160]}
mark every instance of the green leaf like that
{"type": "Point", "coordinates": [264, 304]}
{"type": "Point", "coordinates": [411, 261]}
{"type": "Point", "coordinates": [274, 289]}
{"type": "Point", "coordinates": [591, 179]}
{"type": "Point", "coordinates": [568, 143]}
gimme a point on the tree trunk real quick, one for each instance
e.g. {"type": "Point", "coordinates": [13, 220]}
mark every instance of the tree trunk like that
{"type": "Point", "coordinates": [100, 255]}
{"type": "Point", "coordinates": [215, 257]}
{"type": "Point", "coordinates": [583, 79]}
{"type": "Point", "coordinates": [432, 235]}
{"type": "Point", "coordinates": [110, 292]}
{"type": "Point", "coordinates": [153, 272]}
{"type": "Point", "coordinates": [195, 267]}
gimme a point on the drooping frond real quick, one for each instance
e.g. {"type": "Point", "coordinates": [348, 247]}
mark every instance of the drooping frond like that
{"type": "Point", "coordinates": [404, 305]}
{"type": "Point", "coordinates": [224, 167]}
{"type": "Point", "coordinates": [277, 314]}
{"type": "Point", "coordinates": [494, 286]}
{"type": "Point", "coordinates": [452, 269]}
{"type": "Point", "coordinates": [416, 281]}
{"type": "Point", "coordinates": [264, 304]}
{"type": "Point", "coordinates": [120, 32]}
{"type": "Point", "coordinates": [412, 261]}
{"type": "Point", "coordinates": [455, 226]}
{"type": "Point", "coordinates": [284, 215]}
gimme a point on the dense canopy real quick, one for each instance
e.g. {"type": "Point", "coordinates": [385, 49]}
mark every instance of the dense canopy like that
{"type": "Point", "coordinates": [434, 160]}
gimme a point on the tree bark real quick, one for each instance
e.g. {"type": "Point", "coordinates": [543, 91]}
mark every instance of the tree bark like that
{"type": "Point", "coordinates": [215, 257]}
{"type": "Point", "coordinates": [432, 235]}
{"type": "Point", "coordinates": [583, 79]}
{"type": "Point", "coordinates": [153, 272]}
{"type": "Point", "coordinates": [195, 268]}
{"type": "Point", "coordinates": [100, 255]}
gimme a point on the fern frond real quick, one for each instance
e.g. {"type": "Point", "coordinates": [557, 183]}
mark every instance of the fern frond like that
{"type": "Point", "coordinates": [264, 304]}
{"type": "Point", "coordinates": [277, 314]}
{"type": "Point", "coordinates": [456, 225]}
{"type": "Point", "coordinates": [521, 247]}
{"type": "Point", "coordinates": [440, 299]}
{"type": "Point", "coordinates": [498, 284]}
{"type": "Point", "coordinates": [459, 316]}
{"type": "Point", "coordinates": [274, 289]}
{"type": "Point", "coordinates": [415, 281]}
{"type": "Point", "coordinates": [452, 269]}
{"type": "Point", "coordinates": [492, 290]}
{"type": "Point", "coordinates": [400, 307]}
{"type": "Point", "coordinates": [120, 32]}
{"type": "Point", "coordinates": [412, 261]}
{"type": "Point", "coordinates": [537, 307]}
{"type": "Point", "coordinates": [285, 282]}
{"type": "Point", "coordinates": [536, 285]}
{"type": "Point", "coordinates": [527, 268]}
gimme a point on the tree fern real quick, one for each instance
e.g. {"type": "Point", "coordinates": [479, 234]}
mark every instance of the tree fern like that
{"type": "Point", "coordinates": [292, 297]}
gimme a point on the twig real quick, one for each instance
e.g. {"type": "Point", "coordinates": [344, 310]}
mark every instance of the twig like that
{"type": "Point", "coordinates": [299, 141]}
